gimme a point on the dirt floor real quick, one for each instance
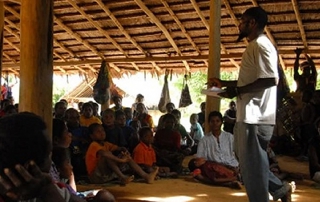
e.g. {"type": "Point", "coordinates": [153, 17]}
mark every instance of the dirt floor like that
{"type": "Point", "coordinates": [185, 189]}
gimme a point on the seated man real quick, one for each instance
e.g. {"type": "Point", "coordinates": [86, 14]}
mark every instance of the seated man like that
{"type": "Point", "coordinates": [217, 147]}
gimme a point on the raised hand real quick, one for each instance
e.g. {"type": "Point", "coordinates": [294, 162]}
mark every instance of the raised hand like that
{"type": "Point", "coordinates": [298, 51]}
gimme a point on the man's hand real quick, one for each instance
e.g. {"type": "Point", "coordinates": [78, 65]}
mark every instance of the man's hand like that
{"type": "Point", "coordinates": [229, 92]}
{"type": "Point", "coordinates": [298, 51]}
{"type": "Point", "coordinates": [29, 185]}
{"type": "Point", "coordinates": [214, 82]}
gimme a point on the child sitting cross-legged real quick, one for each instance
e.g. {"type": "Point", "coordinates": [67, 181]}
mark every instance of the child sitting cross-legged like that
{"type": "Point", "coordinates": [103, 160]}
{"type": "Point", "coordinates": [145, 156]}
{"type": "Point", "coordinates": [61, 159]}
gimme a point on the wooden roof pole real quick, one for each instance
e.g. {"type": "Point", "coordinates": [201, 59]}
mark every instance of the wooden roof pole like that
{"type": "Point", "coordinates": [300, 24]}
{"type": "Point", "coordinates": [213, 103]}
{"type": "Point", "coordinates": [37, 58]}
{"type": "Point", "coordinates": [206, 24]}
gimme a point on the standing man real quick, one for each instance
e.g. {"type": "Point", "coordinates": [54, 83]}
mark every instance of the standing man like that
{"type": "Point", "coordinates": [256, 92]}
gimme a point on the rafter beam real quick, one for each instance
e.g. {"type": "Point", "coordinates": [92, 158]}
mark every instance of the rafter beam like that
{"type": "Point", "coordinates": [203, 19]}
{"type": "Point", "coordinates": [11, 24]}
{"type": "Point", "coordinates": [77, 37]}
{"type": "Point", "coordinates": [16, 14]}
{"type": "Point", "coordinates": [181, 26]}
{"type": "Point", "coordinates": [120, 27]}
{"type": "Point", "coordinates": [154, 64]}
{"type": "Point", "coordinates": [14, 61]}
{"type": "Point", "coordinates": [18, 49]}
{"type": "Point", "coordinates": [97, 26]}
{"type": "Point", "coordinates": [300, 24]}
{"type": "Point", "coordinates": [162, 28]}
{"type": "Point", "coordinates": [13, 1]}
{"type": "Point", "coordinates": [157, 59]}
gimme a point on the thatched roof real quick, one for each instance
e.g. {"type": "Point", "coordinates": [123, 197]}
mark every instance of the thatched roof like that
{"type": "Point", "coordinates": [153, 35]}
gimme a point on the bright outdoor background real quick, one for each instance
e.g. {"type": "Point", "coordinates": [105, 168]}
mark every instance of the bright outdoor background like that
{"type": "Point", "coordinates": [149, 86]}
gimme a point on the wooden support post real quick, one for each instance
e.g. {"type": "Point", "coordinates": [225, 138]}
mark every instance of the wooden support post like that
{"type": "Point", "coordinates": [1, 38]}
{"type": "Point", "coordinates": [36, 74]}
{"type": "Point", "coordinates": [214, 54]}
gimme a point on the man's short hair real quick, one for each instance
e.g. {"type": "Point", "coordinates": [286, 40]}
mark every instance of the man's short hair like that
{"type": "Point", "coordinates": [259, 15]}
{"type": "Point", "coordinates": [213, 114]}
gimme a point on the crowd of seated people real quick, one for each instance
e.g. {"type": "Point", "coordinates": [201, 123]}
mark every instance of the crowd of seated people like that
{"type": "Point", "coordinates": [119, 145]}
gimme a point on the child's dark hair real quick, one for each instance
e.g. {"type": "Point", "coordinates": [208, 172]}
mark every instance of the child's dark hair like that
{"type": "Point", "coordinates": [86, 105]}
{"type": "Point", "coordinates": [215, 113]}
{"type": "Point", "coordinates": [169, 116]}
{"type": "Point", "coordinates": [60, 155]}
{"type": "Point", "coordinates": [108, 111]}
{"type": "Point", "coordinates": [127, 110]}
{"type": "Point", "coordinates": [23, 138]}
{"type": "Point", "coordinates": [191, 165]}
{"type": "Point", "coordinates": [119, 113]}
{"type": "Point", "coordinates": [144, 131]}
{"type": "Point", "coordinates": [93, 127]}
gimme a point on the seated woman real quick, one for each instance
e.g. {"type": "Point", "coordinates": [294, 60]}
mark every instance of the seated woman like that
{"type": "Point", "coordinates": [167, 145]}
{"type": "Point", "coordinates": [314, 154]}
{"type": "Point", "coordinates": [186, 140]}
{"type": "Point", "coordinates": [142, 115]}
{"type": "Point", "coordinates": [217, 147]}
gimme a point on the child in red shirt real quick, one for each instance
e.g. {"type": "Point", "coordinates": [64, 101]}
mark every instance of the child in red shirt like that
{"type": "Point", "coordinates": [145, 156]}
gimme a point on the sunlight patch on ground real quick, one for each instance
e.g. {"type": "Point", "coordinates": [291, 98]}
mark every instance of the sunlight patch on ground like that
{"type": "Point", "coordinates": [168, 199]}
{"type": "Point", "coordinates": [238, 194]}
{"type": "Point", "coordinates": [202, 195]}
{"type": "Point", "coordinates": [294, 197]}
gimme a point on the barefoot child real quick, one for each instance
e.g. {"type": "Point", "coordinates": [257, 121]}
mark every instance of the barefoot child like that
{"type": "Point", "coordinates": [103, 165]}
{"type": "Point", "coordinates": [145, 156]}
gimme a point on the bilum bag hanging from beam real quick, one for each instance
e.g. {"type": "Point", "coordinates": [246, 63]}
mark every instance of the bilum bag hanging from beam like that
{"type": "Point", "coordinates": [165, 96]}
{"type": "Point", "coordinates": [101, 93]}
{"type": "Point", "coordinates": [185, 99]}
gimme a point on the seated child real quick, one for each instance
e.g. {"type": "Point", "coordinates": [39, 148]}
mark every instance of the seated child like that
{"type": "Point", "coordinates": [145, 156]}
{"type": "Point", "coordinates": [25, 152]}
{"type": "Point", "coordinates": [87, 118]}
{"type": "Point", "coordinates": [60, 157]}
{"type": "Point", "coordinates": [196, 132]}
{"type": "Point", "coordinates": [103, 165]}
{"type": "Point", "coordinates": [136, 125]}
{"type": "Point", "coordinates": [167, 145]}
{"type": "Point", "coordinates": [61, 137]}
{"type": "Point", "coordinates": [210, 172]}
{"type": "Point", "coordinates": [128, 112]}
{"type": "Point", "coordinates": [187, 141]}
{"type": "Point", "coordinates": [115, 134]}
{"type": "Point", "coordinates": [127, 131]}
